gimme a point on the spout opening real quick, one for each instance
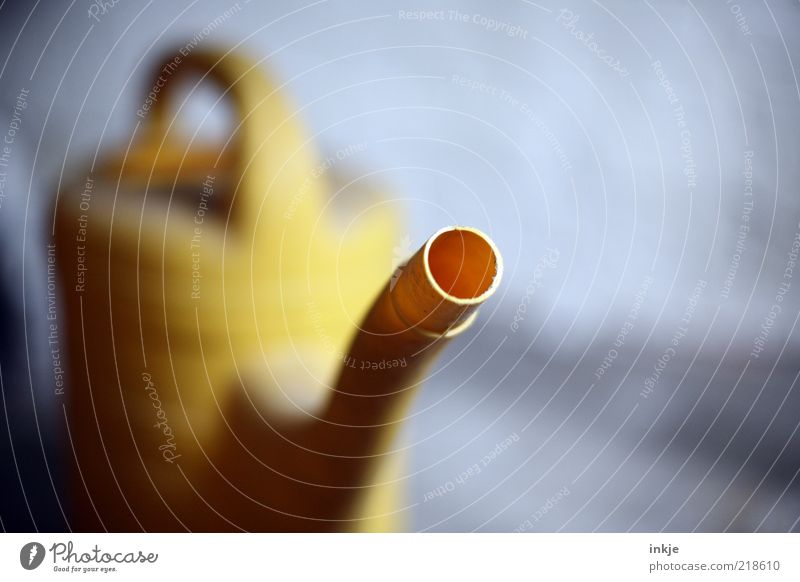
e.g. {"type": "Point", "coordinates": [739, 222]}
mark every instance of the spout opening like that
{"type": "Point", "coordinates": [463, 264]}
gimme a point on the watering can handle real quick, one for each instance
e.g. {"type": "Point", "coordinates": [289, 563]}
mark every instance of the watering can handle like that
{"type": "Point", "coordinates": [271, 152]}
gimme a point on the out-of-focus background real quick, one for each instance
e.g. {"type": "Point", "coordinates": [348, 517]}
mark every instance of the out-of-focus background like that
{"type": "Point", "coordinates": [636, 163]}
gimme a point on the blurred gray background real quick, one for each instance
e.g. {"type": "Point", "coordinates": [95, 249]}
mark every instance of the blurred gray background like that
{"type": "Point", "coordinates": [636, 163]}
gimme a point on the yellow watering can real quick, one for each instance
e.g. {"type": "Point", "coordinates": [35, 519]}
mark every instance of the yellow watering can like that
{"type": "Point", "coordinates": [215, 384]}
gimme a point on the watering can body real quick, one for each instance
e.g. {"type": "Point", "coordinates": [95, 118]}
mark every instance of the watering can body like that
{"type": "Point", "coordinates": [200, 282]}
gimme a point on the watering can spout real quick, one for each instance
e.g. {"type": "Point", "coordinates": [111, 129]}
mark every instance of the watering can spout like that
{"type": "Point", "coordinates": [430, 299]}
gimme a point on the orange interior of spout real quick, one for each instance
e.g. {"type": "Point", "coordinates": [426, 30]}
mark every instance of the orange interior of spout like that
{"type": "Point", "coordinates": [463, 263]}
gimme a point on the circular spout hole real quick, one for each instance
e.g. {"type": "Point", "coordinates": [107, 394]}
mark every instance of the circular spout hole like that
{"type": "Point", "coordinates": [464, 264]}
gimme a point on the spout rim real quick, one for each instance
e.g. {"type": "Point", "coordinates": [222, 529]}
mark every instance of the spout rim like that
{"type": "Point", "coordinates": [449, 297]}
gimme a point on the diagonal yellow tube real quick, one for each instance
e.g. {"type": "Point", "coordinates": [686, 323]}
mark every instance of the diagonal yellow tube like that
{"type": "Point", "coordinates": [433, 298]}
